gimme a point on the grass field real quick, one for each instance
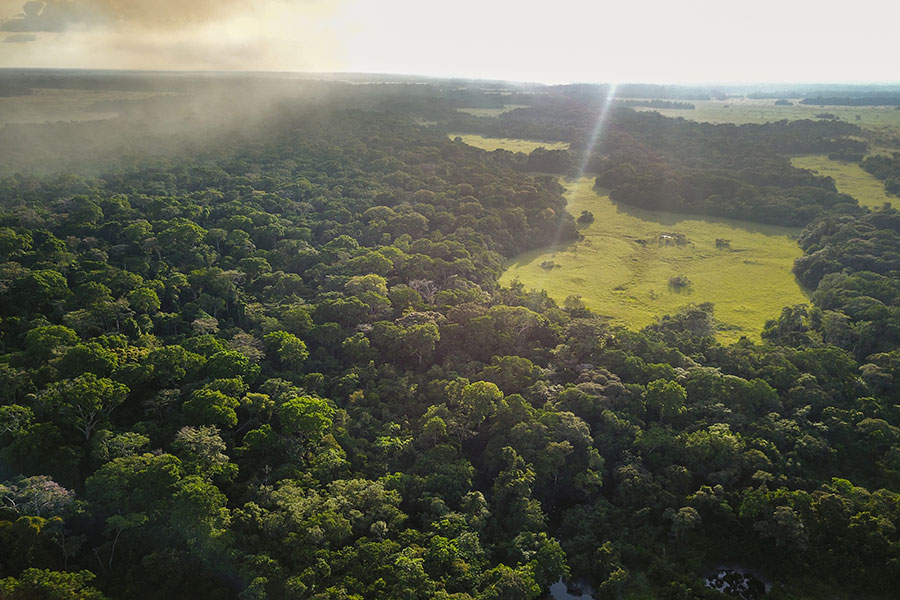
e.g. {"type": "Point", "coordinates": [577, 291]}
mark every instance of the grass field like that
{"type": "Point", "coordinates": [621, 270]}
{"type": "Point", "coordinates": [491, 112]}
{"type": "Point", "coordinates": [878, 119]}
{"type": "Point", "coordinates": [513, 145]}
{"type": "Point", "coordinates": [849, 177]}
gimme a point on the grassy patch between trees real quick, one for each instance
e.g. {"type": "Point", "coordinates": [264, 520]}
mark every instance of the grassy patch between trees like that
{"type": "Point", "coordinates": [513, 145]}
{"type": "Point", "coordinates": [623, 266]}
{"type": "Point", "coordinates": [849, 177]}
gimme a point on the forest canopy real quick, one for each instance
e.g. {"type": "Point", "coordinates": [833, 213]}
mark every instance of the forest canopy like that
{"type": "Point", "coordinates": [276, 363]}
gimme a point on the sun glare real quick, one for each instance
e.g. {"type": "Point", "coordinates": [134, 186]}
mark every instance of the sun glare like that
{"type": "Point", "coordinates": [599, 125]}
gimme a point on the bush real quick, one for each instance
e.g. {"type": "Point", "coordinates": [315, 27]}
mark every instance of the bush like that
{"type": "Point", "coordinates": [679, 282]}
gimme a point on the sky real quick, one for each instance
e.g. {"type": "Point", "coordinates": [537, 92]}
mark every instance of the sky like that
{"type": "Point", "coordinates": [664, 41]}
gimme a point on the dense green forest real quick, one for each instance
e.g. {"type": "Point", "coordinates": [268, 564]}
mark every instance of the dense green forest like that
{"type": "Point", "coordinates": [280, 366]}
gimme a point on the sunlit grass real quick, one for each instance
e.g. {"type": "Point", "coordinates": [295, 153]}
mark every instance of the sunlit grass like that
{"type": "Point", "coordinates": [491, 112]}
{"type": "Point", "coordinates": [849, 177]}
{"type": "Point", "coordinates": [742, 110]}
{"type": "Point", "coordinates": [513, 145]}
{"type": "Point", "coordinates": [621, 271]}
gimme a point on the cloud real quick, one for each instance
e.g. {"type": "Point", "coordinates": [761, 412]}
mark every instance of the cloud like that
{"type": "Point", "coordinates": [280, 35]}
{"type": "Point", "coordinates": [63, 15]}
{"type": "Point", "coordinates": [50, 16]}
{"type": "Point", "coordinates": [19, 38]}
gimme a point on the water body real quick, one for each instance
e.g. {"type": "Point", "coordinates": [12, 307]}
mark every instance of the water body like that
{"type": "Point", "coordinates": [578, 591]}
{"type": "Point", "coordinates": [739, 582]}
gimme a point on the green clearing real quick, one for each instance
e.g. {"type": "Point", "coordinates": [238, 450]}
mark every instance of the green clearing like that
{"type": "Point", "coordinates": [513, 145]}
{"type": "Point", "coordinates": [622, 271]}
{"type": "Point", "coordinates": [849, 177]}
{"type": "Point", "coordinates": [491, 112]}
{"type": "Point", "coordinates": [879, 119]}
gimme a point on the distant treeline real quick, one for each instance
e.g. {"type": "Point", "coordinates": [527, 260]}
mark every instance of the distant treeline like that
{"type": "Point", "coordinates": [658, 104]}
{"type": "Point", "coordinates": [669, 91]}
{"type": "Point", "coordinates": [637, 90]}
{"type": "Point", "coordinates": [870, 100]}
{"type": "Point", "coordinates": [773, 95]}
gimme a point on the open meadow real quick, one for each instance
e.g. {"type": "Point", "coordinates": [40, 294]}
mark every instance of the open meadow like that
{"type": "Point", "coordinates": [491, 112]}
{"type": "Point", "coordinates": [849, 177]}
{"type": "Point", "coordinates": [513, 145]}
{"type": "Point", "coordinates": [623, 266]}
{"type": "Point", "coordinates": [748, 110]}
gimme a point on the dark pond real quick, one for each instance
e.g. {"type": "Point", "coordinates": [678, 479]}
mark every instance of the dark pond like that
{"type": "Point", "coordinates": [737, 582]}
{"type": "Point", "coordinates": [576, 590]}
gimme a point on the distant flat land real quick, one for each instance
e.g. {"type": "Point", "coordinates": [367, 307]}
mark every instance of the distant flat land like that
{"type": "Point", "coordinates": [513, 145]}
{"type": "Point", "coordinates": [849, 177]}
{"type": "Point", "coordinates": [879, 119]}
{"type": "Point", "coordinates": [621, 270]}
{"type": "Point", "coordinates": [45, 105]}
{"type": "Point", "coordinates": [491, 112]}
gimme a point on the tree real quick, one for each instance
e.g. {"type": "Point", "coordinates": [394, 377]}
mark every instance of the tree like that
{"type": "Point", "coordinates": [513, 507]}
{"type": "Point", "coordinates": [505, 583]}
{"type": "Point", "coordinates": [142, 483]}
{"type": "Point", "coordinates": [170, 365]}
{"type": "Point", "coordinates": [202, 452]}
{"type": "Point", "coordinates": [211, 407]}
{"type": "Point", "coordinates": [198, 510]}
{"type": "Point", "coordinates": [37, 496]}
{"type": "Point", "coordinates": [12, 244]}
{"type": "Point", "coordinates": [46, 342]}
{"type": "Point", "coordinates": [667, 398]}
{"type": "Point", "coordinates": [40, 289]}
{"type": "Point", "coordinates": [88, 357]}
{"type": "Point", "coordinates": [85, 401]}
{"type": "Point", "coordinates": [791, 328]}
{"type": "Point", "coordinates": [229, 363]}
{"type": "Point", "coordinates": [287, 347]}
{"type": "Point", "coordinates": [684, 520]}
{"type": "Point", "coordinates": [420, 340]}
{"type": "Point", "coordinates": [512, 374]}
{"type": "Point", "coordinates": [306, 417]}
{"type": "Point", "coordinates": [478, 400]}
{"type": "Point", "coordinates": [144, 300]}
{"type": "Point", "coordinates": [14, 421]}
{"type": "Point", "coordinates": [43, 584]}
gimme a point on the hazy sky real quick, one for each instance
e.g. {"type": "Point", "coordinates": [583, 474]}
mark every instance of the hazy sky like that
{"type": "Point", "coordinates": [557, 41]}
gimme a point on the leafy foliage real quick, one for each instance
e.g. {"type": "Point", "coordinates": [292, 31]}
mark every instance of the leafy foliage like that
{"type": "Point", "coordinates": [285, 369]}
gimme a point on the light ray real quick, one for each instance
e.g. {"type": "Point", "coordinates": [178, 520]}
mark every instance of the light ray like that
{"type": "Point", "coordinates": [597, 131]}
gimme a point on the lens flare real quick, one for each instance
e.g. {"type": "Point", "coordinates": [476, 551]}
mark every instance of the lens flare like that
{"type": "Point", "coordinates": [597, 131]}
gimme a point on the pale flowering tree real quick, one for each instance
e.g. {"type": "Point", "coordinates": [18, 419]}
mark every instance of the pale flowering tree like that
{"type": "Point", "coordinates": [42, 498]}
{"type": "Point", "coordinates": [37, 496]}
